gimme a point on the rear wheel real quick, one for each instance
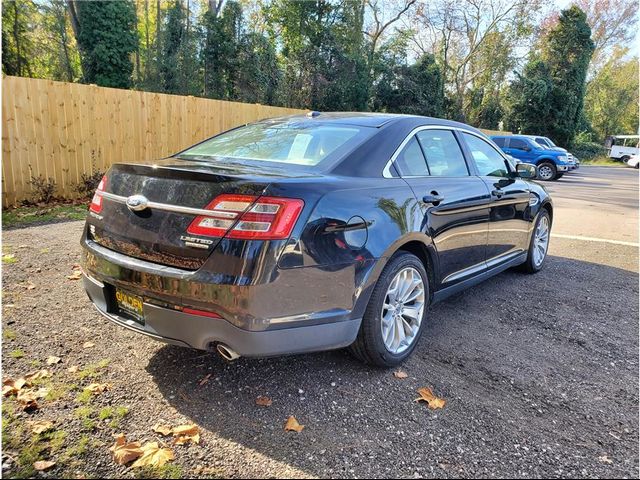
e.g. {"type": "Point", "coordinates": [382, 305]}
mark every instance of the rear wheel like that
{"type": "Point", "coordinates": [539, 243]}
{"type": "Point", "coordinates": [547, 171]}
{"type": "Point", "coordinates": [393, 321]}
{"type": "Point", "coordinates": [625, 159]}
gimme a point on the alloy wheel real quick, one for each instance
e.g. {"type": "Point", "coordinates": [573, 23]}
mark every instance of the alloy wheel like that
{"type": "Point", "coordinates": [541, 241]}
{"type": "Point", "coordinates": [402, 310]}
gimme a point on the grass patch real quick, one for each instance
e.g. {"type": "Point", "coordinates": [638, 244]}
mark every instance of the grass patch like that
{"type": "Point", "coordinates": [25, 216]}
{"type": "Point", "coordinates": [114, 414]}
{"type": "Point", "coordinates": [85, 396]}
{"type": "Point", "coordinates": [9, 258]}
{"type": "Point", "coordinates": [55, 438]}
{"type": "Point", "coordinates": [59, 390]}
{"type": "Point", "coordinates": [603, 161]}
{"type": "Point", "coordinates": [168, 470]}
{"type": "Point", "coordinates": [17, 353]}
{"type": "Point", "coordinates": [85, 414]}
{"type": "Point", "coordinates": [9, 334]}
{"type": "Point", "coordinates": [78, 449]}
{"type": "Point", "coordinates": [94, 370]}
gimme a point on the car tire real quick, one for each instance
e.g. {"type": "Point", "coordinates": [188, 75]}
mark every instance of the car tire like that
{"type": "Point", "coordinates": [547, 171]}
{"type": "Point", "coordinates": [533, 263]}
{"type": "Point", "coordinates": [369, 346]}
{"type": "Point", "coordinates": [625, 159]}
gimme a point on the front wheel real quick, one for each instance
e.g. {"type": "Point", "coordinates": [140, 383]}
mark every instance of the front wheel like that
{"type": "Point", "coordinates": [547, 171]}
{"type": "Point", "coordinates": [394, 319]}
{"type": "Point", "coordinates": [539, 243]}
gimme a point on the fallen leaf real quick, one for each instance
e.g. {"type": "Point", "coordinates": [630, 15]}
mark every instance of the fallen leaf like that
{"type": "Point", "coordinates": [40, 426]}
{"type": "Point", "coordinates": [426, 395]}
{"type": "Point", "coordinates": [162, 429]}
{"type": "Point", "coordinates": [184, 439]}
{"type": "Point", "coordinates": [76, 274]}
{"type": "Point", "coordinates": [186, 434]}
{"type": "Point", "coordinates": [98, 388]}
{"type": "Point", "coordinates": [44, 373]}
{"type": "Point", "coordinates": [153, 456]}
{"type": "Point", "coordinates": [11, 386]}
{"type": "Point", "coordinates": [263, 401]}
{"type": "Point", "coordinates": [605, 459]}
{"type": "Point", "coordinates": [124, 452]}
{"type": "Point", "coordinates": [29, 286]}
{"type": "Point", "coordinates": [27, 400]}
{"type": "Point", "coordinates": [73, 369]}
{"type": "Point", "coordinates": [88, 345]}
{"type": "Point", "coordinates": [42, 465]}
{"type": "Point", "coordinates": [204, 380]}
{"type": "Point", "coordinates": [53, 360]}
{"type": "Point", "coordinates": [400, 374]}
{"type": "Point", "coordinates": [293, 425]}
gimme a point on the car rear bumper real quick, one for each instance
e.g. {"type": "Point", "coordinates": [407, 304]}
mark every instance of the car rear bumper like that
{"type": "Point", "coordinates": [195, 331]}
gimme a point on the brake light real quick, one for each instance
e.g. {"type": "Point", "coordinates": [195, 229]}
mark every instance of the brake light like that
{"type": "Point", "coordinates": [96, 201]}
{"type": "Point", "coordinates": [248, 217]}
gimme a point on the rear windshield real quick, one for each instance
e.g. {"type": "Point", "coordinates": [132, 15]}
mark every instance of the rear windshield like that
{"type": "Point", "coordinates": [300, 143]}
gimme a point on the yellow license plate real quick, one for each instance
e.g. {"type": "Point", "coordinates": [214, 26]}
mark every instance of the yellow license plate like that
{"type": "Point", "coordinates": [130, 304]}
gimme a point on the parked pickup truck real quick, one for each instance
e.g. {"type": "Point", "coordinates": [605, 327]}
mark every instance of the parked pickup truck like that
{"type": "Point", "coordinates": [552, 164]}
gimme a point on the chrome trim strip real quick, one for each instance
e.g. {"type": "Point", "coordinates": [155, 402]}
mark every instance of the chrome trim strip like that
{"type": "Point", "coordinates": [386, 172]}
{"type": "Point", "coordinates": [173, 208]}
{"type": "Point", "coordinates": [487, 264]}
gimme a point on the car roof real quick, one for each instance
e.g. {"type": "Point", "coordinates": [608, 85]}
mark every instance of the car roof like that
{"type": "Point", "coordinates": [368, 119]}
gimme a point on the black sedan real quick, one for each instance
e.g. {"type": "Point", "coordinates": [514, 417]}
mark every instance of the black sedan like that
{"type": "Point", "coordinates": [310, 233]}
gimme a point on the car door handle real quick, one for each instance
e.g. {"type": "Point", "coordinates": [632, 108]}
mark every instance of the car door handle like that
{"type": "Point", "coordinates": [433, 198]}
{"type": "Point", "coordinates": [497, 193]}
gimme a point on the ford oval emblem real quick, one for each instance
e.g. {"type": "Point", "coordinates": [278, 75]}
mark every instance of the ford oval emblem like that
{"type": "Point", "coordinates": [137, 203]}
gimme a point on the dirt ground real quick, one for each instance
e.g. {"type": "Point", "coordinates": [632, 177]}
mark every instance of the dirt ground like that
{"type": "Point", "coordinates": [540, 374]}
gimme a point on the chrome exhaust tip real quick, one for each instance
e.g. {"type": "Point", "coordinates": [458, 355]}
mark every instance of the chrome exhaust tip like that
{"type": "Point", "coordinates": [226, 353]}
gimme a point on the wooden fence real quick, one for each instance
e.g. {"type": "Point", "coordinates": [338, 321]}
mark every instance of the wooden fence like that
{"type": "Point", "coordinates": [61, 130]}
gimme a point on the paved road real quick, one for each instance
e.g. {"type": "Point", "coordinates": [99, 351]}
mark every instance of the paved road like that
{"type": "Point", "coordinates": [597, 202]}
{"type": "Point", "coordinates": [540, 373]}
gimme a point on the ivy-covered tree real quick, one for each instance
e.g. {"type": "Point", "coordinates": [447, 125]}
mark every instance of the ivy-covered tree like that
{"type": "Point", "coordinates": [106, 36]}
{"type": "Point", "coordinates": [258, 70]}
{"type": "Point", "coordinates": [223, 35]}
{"type": "Point", "coordinates": [415, 89]}
{"type": "Point", "coordinates": [178, 64]}
{"type": "Point", "coordinates": [567, 51]}
{"type": "Point", "coordinates": [528, 99]}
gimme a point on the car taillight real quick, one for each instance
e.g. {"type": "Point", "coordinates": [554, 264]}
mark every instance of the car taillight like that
{"type": "Point", "coordinates": [96, 201]}
{"type": "Point", "coordinates": [248, 217]}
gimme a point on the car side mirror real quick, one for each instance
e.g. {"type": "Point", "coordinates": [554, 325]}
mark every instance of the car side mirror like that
{"type": "Point", "coordinates": [526, 170]}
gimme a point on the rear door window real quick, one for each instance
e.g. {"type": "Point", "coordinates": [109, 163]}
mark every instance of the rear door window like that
{"type": "Point", "coordinates": [443, 153]}
{"type": "Point", "coordinates": [499, 141]}
{"type": "Point", "coordinates": [518, 144]}
{"type": "Point", "coordinates": [410, 161]}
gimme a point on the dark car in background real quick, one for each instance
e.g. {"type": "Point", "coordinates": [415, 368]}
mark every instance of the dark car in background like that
{"type": "Point", "coordinates": [310, 233]}
{"type": "Point", "coordinates": [552, 163]}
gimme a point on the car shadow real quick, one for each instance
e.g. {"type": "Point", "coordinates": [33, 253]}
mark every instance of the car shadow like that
{"type": "Point", "coordinates": [491, 351]}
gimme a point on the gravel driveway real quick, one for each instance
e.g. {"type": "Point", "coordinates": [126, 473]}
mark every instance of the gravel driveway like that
{"type": "Point", "coordinates": [540, 374]}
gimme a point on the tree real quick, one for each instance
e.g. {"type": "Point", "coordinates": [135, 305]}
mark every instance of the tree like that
{"type": "Point", "coordinates": [412, 89]}
{"type": "Point", "coordinates": [221, 49]}
{"type": "Point", "coordinates": [567, 51]}
{"type": "Point", "coordinates": [259, 73]}
{"type": "Point", "coordinates": [106, 36]}
{"type": "Point", "coordinates": [17, 44]}
{"type": "Point", "coordinates": [611, 104]}
{"type": "Point", "coordinates": [613, 23]}
{"type": "Point", "coordinates": [469, 38]}
{"type": "Point", "coordinates": [178, 60]}
{"type": "Point", "coordinates": [528, 106]}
